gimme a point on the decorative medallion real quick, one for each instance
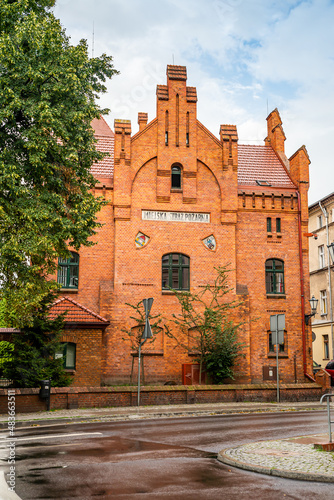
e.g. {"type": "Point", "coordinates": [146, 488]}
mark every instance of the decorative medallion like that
{"type": "Point", "coordinates": [141, 240]}
{"type": "Point", "coordinates": [210, 242]}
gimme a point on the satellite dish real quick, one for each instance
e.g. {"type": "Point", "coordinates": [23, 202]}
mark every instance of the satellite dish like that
{"type": "Point", "coordinates": [313, 337]}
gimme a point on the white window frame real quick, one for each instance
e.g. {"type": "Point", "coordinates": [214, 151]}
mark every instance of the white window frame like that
{"type": "Point", "coordinates": [321, 254]}
{"type": "Point", "coordinates": [320, 221]}
{"type": "Point", "coordinates": [323, 302]}
{"type": "Point", "coordinates": [326, 346]}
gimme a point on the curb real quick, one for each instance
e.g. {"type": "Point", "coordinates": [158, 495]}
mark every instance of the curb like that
{"type": "Point", "coordinates": [222, 457]}
{"type": "Point", "coordinates": [141, 415]}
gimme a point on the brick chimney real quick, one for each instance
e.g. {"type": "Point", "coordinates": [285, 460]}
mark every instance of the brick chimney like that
{"type": "Point", "coordinates": [142, 120]}
{"type": "Point", "coordinates": [276, 136]}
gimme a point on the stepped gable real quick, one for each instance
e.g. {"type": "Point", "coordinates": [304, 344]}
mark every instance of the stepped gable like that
{"type": "Point", "coordinates": [76, 313]}
{"type": "Point", "coordinates": [103, 169]}
{"type": "Point", "coordinates": [260, 163]}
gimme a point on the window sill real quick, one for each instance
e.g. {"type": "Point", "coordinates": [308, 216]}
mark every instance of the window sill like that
{"type": "Point", "coordinates": [148, 353]}
{"type": "Point", "coordinates": [69, 290]}
{"type": "Point", "coordinates": [176, 190]}
{"type": "Point", "coordinates": [280, 355]}
{"type": "Point", "coordinates": [276, 296]}
{"type": "Point", "coordinates": [70, 371]}
{"type": "Point", "coordinates": [170, 292]}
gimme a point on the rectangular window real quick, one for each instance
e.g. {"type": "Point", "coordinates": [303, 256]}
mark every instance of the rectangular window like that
{"type": "Point", "coordinates": [175, 271]}
{"type": "Point", "coordinates": [274, 276]}
{"type": "Point", "coordinates": [67, 353]}
{"type": "Point", "coordinates": [272, 347]}
{"type": "Point", "coordinates": [323, 302]}
{"type": "Point", "coordinates": [278, 225]}
{"type": "Point", "coordinates": [319, 221]}
{"type": "Point", "coordinates": [68, 271]}
{"type": "Point", "coordinates": [268, 224]}
{"type": "Point", "coordinates": [326, 346]}
{"type": "Point", "coordinates": [321, 254]}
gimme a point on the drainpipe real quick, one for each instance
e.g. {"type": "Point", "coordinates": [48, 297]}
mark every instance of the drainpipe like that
{"type": "Point", "coordinates": [324, 211]}
{"type": "Point", "coordinates": [302, 289]}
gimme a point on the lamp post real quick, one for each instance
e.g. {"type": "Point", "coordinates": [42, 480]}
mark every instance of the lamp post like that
{"type": "Point", "coordinates": [314, 304]}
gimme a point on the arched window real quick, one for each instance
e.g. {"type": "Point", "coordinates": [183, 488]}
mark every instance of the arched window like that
{"type": "Point", "coordinates": [68, 271]}
{"type": "Point", "coordinates": [175, 271]}
{"type": "Point", "coordinates": [274, 276]}
{"type": "Point", "coordinates": [176, 177]}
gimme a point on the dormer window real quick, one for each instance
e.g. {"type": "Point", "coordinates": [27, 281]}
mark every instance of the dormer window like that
{"type": "Point", "coordinates": [176, 177]}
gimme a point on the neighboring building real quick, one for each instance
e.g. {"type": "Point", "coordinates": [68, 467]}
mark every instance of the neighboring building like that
{"type": "Point", "coordinates": [321, 224]}
{"type": "Point", "coordinates": [180, 203]}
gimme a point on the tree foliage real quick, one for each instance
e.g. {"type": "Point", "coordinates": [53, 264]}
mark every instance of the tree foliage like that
{"type": "Point", "coordinates": [48, 93]}
{"type": "Point", "coordinates": [32, 355]}
{"type": "Point", "coordinates": [205, 319]}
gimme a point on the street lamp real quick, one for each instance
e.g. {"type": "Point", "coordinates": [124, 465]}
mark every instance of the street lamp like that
{"type": "Point", "coordinates": [314, 304]}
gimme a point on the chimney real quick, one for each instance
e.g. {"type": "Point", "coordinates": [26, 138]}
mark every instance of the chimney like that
{"type": "Point", "coordinates": [229, 141]}
{"type": "Point", "coordinates": [142, 120]}
{"type": "Point", "coordinates": [276, 136]}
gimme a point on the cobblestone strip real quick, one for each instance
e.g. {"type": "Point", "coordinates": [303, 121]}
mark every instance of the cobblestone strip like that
{"type": "Point", "coordinates": [282, 458]}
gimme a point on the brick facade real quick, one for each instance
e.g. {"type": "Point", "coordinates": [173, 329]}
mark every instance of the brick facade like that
{"type": "Point", "coordinates": [237, 187]}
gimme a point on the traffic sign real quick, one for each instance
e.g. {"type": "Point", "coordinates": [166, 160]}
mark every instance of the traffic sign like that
{"type": "Point", "coordinates": [147, 333]}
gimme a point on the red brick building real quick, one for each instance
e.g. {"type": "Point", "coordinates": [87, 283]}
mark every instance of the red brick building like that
{"type": "Point", "coordinates": [180, 202]}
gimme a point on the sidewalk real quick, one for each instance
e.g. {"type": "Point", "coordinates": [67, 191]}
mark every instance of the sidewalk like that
{"type": "Point", "coordinates": [293, 458]}
{"type": "Point", "coordinates": [146, 412]}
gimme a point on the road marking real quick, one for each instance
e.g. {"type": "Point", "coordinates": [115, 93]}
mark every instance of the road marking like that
{"type": "Point", "coordinates": [52, 436]}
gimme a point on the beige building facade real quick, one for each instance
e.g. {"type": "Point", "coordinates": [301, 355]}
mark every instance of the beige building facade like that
{"type": "Point", "coordinates": [321, 235]}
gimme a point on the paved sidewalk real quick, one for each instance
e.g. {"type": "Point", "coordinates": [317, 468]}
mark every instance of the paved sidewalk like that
{"type": "Point", "coordinates": [293, 458]}
{"type": "Point", "coordinates": [147, 412]}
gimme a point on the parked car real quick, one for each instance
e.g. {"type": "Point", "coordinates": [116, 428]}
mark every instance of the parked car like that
{"type": "Point", "coordinates": [330, 369]}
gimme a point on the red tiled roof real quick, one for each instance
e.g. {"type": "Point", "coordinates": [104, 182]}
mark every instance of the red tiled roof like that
{"type": "Point", "coordinates": [76, 313]}
{"type": "Point", "coordinates": [260, 163]}
{"type": "Point", "coordinates": [106, 140]}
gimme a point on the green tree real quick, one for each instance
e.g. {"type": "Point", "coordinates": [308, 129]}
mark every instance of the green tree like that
{"type": "Point", "coordinates": [3, 322]}
{"type": "Point", "coordinates": [32, 357]}
{"type": "Point", "coordinates": [205, 319]}
{"type": "Point", "coordinates": [6, 353]}
{"type": "Point", "coordinates": [48, 99]}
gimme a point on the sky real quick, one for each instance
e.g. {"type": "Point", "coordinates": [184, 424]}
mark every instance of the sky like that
{"type": "Point", "coordinates": [245, 57]}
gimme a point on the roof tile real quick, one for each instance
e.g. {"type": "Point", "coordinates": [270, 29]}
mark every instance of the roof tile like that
{"type": "Point", "coordinates": [105, 144]}
{"type": "Point", "coordinates": [260, 163]}
{"type": "Point", "coordinates": [76, 313]}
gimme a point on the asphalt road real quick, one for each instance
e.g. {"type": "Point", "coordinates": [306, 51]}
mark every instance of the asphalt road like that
{"type": "Point", "coordinates": [157, 459]}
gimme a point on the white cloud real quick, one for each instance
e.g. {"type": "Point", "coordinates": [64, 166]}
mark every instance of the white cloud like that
{"type": "Point", "coordinates": [245, 58]}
